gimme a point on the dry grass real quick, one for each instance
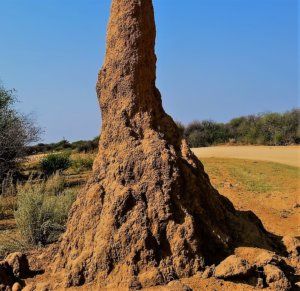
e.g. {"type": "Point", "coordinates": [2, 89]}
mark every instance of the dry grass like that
{"type": "Point", "coordinates": [35, 213]}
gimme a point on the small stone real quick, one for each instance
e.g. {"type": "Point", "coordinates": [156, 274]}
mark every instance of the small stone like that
{"type": "Point", "coordinates": [275, 278]}
{"type": "Point", "coordinates": [16, 287]}
{"type": "Point", "coordinates": [232, 267]}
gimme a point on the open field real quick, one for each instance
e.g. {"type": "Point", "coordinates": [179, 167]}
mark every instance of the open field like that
{"type": "Point", "coordinates": [289, 155]}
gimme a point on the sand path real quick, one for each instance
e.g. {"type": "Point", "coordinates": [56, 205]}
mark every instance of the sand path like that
{"type": "Point", "coordinates": [289, 155]}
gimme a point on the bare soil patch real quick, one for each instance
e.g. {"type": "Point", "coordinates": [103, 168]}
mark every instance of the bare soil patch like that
{"type": "Point", "coordinates": [268, 189]}
{"type": "Point", "coordinates": [289, 155]}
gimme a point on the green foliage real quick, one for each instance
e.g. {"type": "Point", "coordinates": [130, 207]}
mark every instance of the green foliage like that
{"type": "Point", "coordinates": [86, 146]}
{"type": "Point", "coordinates": [55, 162]}
{"type": "Point", "coordinates": [80, 164]}
{"type": "Point", "coordinates": [41, 217]}
{"type": "Point", "coordinates": [80, 146]}
{"type": "Point", "coordinates": [17, 131]}
{"type": "Point", "coordinates": [206, 133]}
{"type": "Point", "coordinates": [264, 129]}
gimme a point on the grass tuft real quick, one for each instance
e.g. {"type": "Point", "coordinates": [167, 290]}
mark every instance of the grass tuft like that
{"type": "Point", "coordinates": [41, 216]}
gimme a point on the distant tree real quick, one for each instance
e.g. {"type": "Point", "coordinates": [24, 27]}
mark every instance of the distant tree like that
{"type": "Point", "coordinates": [16, 132]}
{"type": "Point", "coordinates": [291, 127]}
{"type": "Point", "coordinates": [206, 133]}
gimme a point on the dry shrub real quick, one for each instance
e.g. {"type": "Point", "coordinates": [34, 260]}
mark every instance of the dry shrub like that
{"type": "Point", "coordinates": [7, 206]}
{"type": "Point", "coordinates": [40, 215]}
{"type": "Point", "coordinates": [55, 184]}
{"type": "Point", "coordinates": [8, 186]}
{"type": "Point", "coordinates": [10, 243]}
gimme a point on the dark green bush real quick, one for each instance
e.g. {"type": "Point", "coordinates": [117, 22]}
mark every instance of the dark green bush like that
{"type": "Point", "coordinates": [264, 129]}
{"type": "Point", "coordinates": [206, 133]}
{"type": "Point", "coordinates": [55, 162]}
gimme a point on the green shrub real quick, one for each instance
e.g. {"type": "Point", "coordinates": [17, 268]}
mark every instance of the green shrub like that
{"type": "Point", "coordinates": [265, 129]}
{"type": "Point", "coordinates": [40, 217]}
{"type": "Point", "coordinates": [80, 164]}
{"type": "Point", "coordinates": [206, 133]}
{"type": "Point", "coordinates": [55, 162]}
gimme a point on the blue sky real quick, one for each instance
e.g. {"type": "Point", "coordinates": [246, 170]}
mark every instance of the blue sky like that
{"type": "Point", "coordinates": [217, 59]}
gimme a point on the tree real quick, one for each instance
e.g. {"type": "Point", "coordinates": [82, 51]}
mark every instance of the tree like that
{"type": "Point", "coordinates": [16, 132]}
{"type": "Point", "coordinates": [206, 133]}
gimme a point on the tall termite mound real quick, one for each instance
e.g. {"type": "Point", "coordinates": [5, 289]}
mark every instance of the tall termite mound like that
{"type": "Point", "coordinates": [149, 213]}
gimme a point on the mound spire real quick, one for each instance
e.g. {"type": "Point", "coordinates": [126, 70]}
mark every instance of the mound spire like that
{"type": "Point", "coordinates": [149, 213]}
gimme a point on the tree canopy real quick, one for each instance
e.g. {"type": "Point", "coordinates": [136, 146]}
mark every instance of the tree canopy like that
{"type": "Point", "coordinates": [16, 132]}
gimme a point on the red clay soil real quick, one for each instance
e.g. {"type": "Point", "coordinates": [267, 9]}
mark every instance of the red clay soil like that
{"type": "Point", "coordinates": [149, 214]}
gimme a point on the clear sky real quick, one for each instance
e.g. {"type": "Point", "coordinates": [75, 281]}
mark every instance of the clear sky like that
{"type": "Point", "coordinates": [217, 59]}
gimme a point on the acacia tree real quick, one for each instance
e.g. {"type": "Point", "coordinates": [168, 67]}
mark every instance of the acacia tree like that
{"type": "Point", "coordinates": [16, 132]}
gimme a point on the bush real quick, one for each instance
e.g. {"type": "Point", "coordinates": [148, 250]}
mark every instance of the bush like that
{"type": "Point", "coordinates": [80, 164]}
{"type": "Point", "coordinates": [84, 146]}
{"type": "Point", "coordinates": [55, 162]}
{"type": "Point", "coordinates": [206, 133]}
{"type": "Point", "coordinates": [41, 218]}
{"type": "Point", "coordinates": [265, 129]}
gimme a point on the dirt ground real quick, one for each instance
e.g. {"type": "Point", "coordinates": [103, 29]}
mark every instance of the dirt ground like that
{"type": "Point", "coordinates": [289, 155]}
{"type": "Point", "coordinates": [270, 190]}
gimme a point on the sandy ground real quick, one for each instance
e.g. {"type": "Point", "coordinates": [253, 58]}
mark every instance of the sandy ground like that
{"type": "Point", "coordinates": [289, 155]}
{"type": "Point", "coordinates": [271, 190]}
